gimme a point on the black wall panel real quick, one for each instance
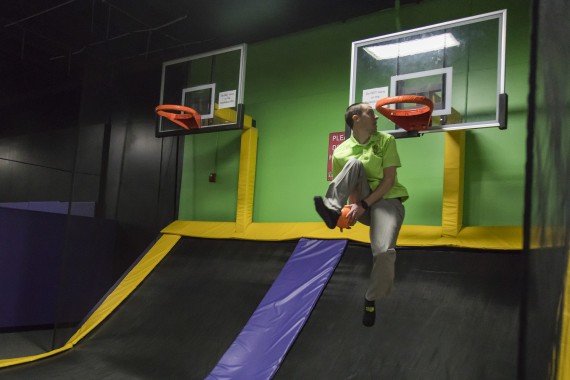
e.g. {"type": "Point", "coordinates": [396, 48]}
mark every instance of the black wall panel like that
{"type": "Point", "coordinates": [22, 182]}
{"type": "Point", "coordinates": [37, 146]}
{"type": "Point", "coordinates": [93, 141]}
{"type": "Point", "coordinates": [134, 182]}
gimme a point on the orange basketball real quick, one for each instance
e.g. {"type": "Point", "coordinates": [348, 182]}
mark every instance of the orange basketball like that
{"type": "Point", "coordinates": [343, 220]}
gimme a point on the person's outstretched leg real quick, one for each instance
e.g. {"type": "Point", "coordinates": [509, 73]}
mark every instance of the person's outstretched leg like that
{"type": "Point", "coordinates": [351, 180]}
{"type": "Point", "coordinates": [386, 218]}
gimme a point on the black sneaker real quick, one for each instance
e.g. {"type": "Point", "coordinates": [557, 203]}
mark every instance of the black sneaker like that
{"type": "Point", "coordinates": [369, 313]}
{"type": "Point", "coordinates": [330, 217]}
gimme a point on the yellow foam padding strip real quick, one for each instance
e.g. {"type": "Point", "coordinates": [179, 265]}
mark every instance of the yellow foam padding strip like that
{"type": "Point", "coordinates": [246, 182]}
{"type": "Point", "coordinates": [129, 283]}
{"type": "Point", "coordinates": [453, 170]}
{"type": "Point", "coordinates": [499, 238]}
{"type": "Point", "coordinates": [563, 372]}
{"type": "Point", "coordinates": [229, 115]}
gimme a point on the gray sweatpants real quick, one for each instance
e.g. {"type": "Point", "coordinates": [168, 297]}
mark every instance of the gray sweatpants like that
{"type": "Point", "coordinates": [384, 217]}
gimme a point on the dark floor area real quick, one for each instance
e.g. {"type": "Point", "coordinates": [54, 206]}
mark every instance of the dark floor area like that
{"type": "Point", "coordinates": [452, 315]}
{"type": "Point", "coordinates": [25, 343]}
{"type": "Point", "coordinates": [180, 321]}
{"type": "Point", "coordinates": [15, 344]}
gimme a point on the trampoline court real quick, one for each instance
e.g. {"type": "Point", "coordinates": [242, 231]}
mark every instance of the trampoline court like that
{"type": "Point", "coordinates": [251, 299]}
{"type": "Point", "coordinates": [445, 319]}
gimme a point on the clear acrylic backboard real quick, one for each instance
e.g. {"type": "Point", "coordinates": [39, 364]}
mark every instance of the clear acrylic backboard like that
{"type": "Point", "coordinates": [211, 83]}
{"type": "Point", "coordinates": [459, 65]}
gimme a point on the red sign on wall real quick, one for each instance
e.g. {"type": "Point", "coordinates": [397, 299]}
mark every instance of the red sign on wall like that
{"type": "Point", "coordinates": [335, 139]}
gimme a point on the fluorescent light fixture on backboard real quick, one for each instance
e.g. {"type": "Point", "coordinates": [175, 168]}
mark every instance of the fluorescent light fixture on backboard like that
{"type": "Point", "coordinates": [417, 46]}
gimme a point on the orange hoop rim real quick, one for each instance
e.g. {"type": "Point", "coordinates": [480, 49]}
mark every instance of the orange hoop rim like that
{"type": "Point", "coordinates": [191, 119]}
{"type": "Point", "coordinates": [415, 119]}
{"type": "Point", "coordinates": [418, 99]}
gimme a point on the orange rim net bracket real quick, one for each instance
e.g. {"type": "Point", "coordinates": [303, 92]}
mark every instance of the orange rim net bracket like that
{"type": "Point", "coordinates": [189, 119]}
{"type": "Point", "coordinates": [415, 119]}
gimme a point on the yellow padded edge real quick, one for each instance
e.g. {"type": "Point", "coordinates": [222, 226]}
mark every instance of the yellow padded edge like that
{"type": "Point", "coordinates": [563, 372]}
{"type": "Point", "coordinates": [246, 182]}
{"type": "Point", "coordinates": [131, 281]}
{"type": "Point", "coordinates": [499, 238]}
{"type": "Point", "coordinates": [229, 115]}
{"type": "Point", "coordinates": [453, 169]}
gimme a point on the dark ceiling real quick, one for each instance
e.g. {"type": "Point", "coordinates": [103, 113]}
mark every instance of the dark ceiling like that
{"type": "Point", "coordinates": [61, 34]}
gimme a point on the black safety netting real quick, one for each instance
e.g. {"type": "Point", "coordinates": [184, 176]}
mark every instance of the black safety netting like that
{"type": "Point", "coordinates": [547, 203]}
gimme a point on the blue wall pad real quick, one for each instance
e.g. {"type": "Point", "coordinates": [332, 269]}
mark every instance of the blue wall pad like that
{"type": "Point", "coordinates": [56, 207]}
{"type": "Point", "coordinates": [36, 288]}
{"type": "Point", "coordinates": [261, 346]}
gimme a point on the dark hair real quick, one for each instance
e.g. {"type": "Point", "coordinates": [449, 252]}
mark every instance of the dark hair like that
{"type": "Point", "coordinates": [353, 109]}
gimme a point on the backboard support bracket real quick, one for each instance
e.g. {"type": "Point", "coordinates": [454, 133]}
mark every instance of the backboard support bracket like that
{"type": "Point", "coordinates": [503, 110]}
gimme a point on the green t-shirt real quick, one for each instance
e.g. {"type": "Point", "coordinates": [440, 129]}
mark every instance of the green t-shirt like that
{"type": "Point", "coordinates": [378, 153]}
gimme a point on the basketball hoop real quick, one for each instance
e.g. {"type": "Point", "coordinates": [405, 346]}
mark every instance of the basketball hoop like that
{"type": "Point", "coordinates": [189, 120]}
{"type": "Point", "coordinates": [416, 119]}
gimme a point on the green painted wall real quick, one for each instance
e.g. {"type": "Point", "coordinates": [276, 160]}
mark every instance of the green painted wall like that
{"type": "Point", "coordinates": [205, 153]}
{"type": "Point", "coordinates": [297, 89]}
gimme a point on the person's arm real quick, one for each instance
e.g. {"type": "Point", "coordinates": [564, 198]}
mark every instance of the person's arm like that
{"type": "Point", "coordinates": [385, 185]}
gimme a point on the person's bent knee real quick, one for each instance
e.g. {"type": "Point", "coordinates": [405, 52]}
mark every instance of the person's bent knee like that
{"type": "Point", "coordinates": [353, 161]}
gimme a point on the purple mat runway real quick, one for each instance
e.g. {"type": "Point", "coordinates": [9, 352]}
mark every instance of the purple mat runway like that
{"type": "Point", "coordinates": [261, 346]}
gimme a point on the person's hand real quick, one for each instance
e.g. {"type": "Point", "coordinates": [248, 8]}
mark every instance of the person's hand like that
{"type": "Point", "coordinates": [355, 212]}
